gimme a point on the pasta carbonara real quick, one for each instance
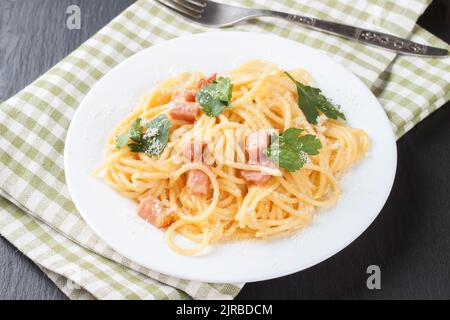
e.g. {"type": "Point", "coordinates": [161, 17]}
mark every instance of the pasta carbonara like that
{"type": "Point", "coordinates": [251, 153]}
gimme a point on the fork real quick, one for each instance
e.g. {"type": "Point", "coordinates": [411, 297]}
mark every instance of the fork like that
{"type": "Point", "coordinates": [214, 14]}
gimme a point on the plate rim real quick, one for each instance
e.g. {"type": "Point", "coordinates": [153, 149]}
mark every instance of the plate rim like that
{"type": "Point", "coordinates": [243, 278]}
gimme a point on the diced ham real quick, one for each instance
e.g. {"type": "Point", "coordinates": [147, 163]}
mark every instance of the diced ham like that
{"type": "Point", "coordinates": [202, 83]}
{"type": "Point", "coordinates": [256, 177]}
{"type": "Point", "coordinates": [256, 144]}
{"type": "Point", "coordinates": [185, 96]}
{"type": "Point", "coordinates": [212, 78]}
{"type": "Point", "coordinates": [189, 95]}
{"type": "Point", "coordinates": [154, 211]}
{"type": "Point", "coordinates": [198, 183]}
{"type": "Point", "coordinates": [194, 151]}
{"type": "Point", "coordinates": [185, 111]}
{"type": "Point", "coordinates": [205, 82]}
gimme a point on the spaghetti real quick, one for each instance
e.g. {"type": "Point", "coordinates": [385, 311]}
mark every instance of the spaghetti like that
{"type": "Point", "coordinates": [233, 206]}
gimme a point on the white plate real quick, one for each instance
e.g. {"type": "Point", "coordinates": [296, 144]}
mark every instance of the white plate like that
{"type": "Point", "coordinates": [113, 217]}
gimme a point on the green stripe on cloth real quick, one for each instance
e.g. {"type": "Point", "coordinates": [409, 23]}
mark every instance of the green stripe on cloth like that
{"type": "Point", "coordinates": [36, 213]}
{"type": "Point", "coordinates": [411, 88]}
{"type": "Point", "coordinates": [85, 270]}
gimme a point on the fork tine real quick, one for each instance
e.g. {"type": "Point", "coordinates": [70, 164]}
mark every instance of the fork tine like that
{"type": "Point", "coordinates": [189, 5]}
{"type": "Point", "coordinates": [200, 3]}
{"type": "Point", "coordinates": [180, 10]}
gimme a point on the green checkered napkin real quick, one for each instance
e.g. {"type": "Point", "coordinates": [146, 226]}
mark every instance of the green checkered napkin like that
{"type": "Point", "coordinates": [36, 213]}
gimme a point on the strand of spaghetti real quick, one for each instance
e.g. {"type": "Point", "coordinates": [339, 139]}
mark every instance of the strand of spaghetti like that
{"type": "Point", "coordinates": [288, 227]}
{"type": "Point", "coordinates": [219, 172]}
{"type": "Point", "coordinates": [249, 213]}
{"type": "Point", "coordinates": [150, 175]}
{"type": "Point", "coordinates": [109, 161]}
{"type": "Point", "coordinates": [286, 111]}
{"type": "Point", "coordinates": [215, 186]}
{"type": "Point", "coordinates": [318, 203]}
{"type": "Point", "coordinates": [170, 233]}
{"type": "Point", "coordinates": [250, 167]}
{"type": "Point", "coordinates": [246, 97]}
{"type": "Point", "coordinates": [279, 203]}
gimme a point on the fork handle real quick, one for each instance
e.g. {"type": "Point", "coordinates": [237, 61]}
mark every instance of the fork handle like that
{"type": "Point", "coordinates": [370, 37]}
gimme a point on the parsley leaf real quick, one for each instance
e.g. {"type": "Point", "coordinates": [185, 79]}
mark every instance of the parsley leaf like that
{"type": "Point", "coordinates": [311, 101]}
{"type": "Point", "coordinates": [290, 150]}
{"type": "Point", "coordinates": [134, 134]}
{"type": "Point", "coordinates": [150, 139]}
{"type": "Point", "coordinates": [309, 144]}
{"type": "Point", "coordinates": [214, 98]}
{"type": "Point", "coordinates": [135, 131]}
{"type": "Point", "coordinates": [122, 140]}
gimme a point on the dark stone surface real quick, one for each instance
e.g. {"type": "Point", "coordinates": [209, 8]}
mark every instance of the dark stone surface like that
{"type": "Point", "coordinates": [410, 240]}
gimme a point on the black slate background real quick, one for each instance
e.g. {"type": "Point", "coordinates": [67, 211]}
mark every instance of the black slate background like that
{"type": "Point", "coordinates": [410, 240]}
